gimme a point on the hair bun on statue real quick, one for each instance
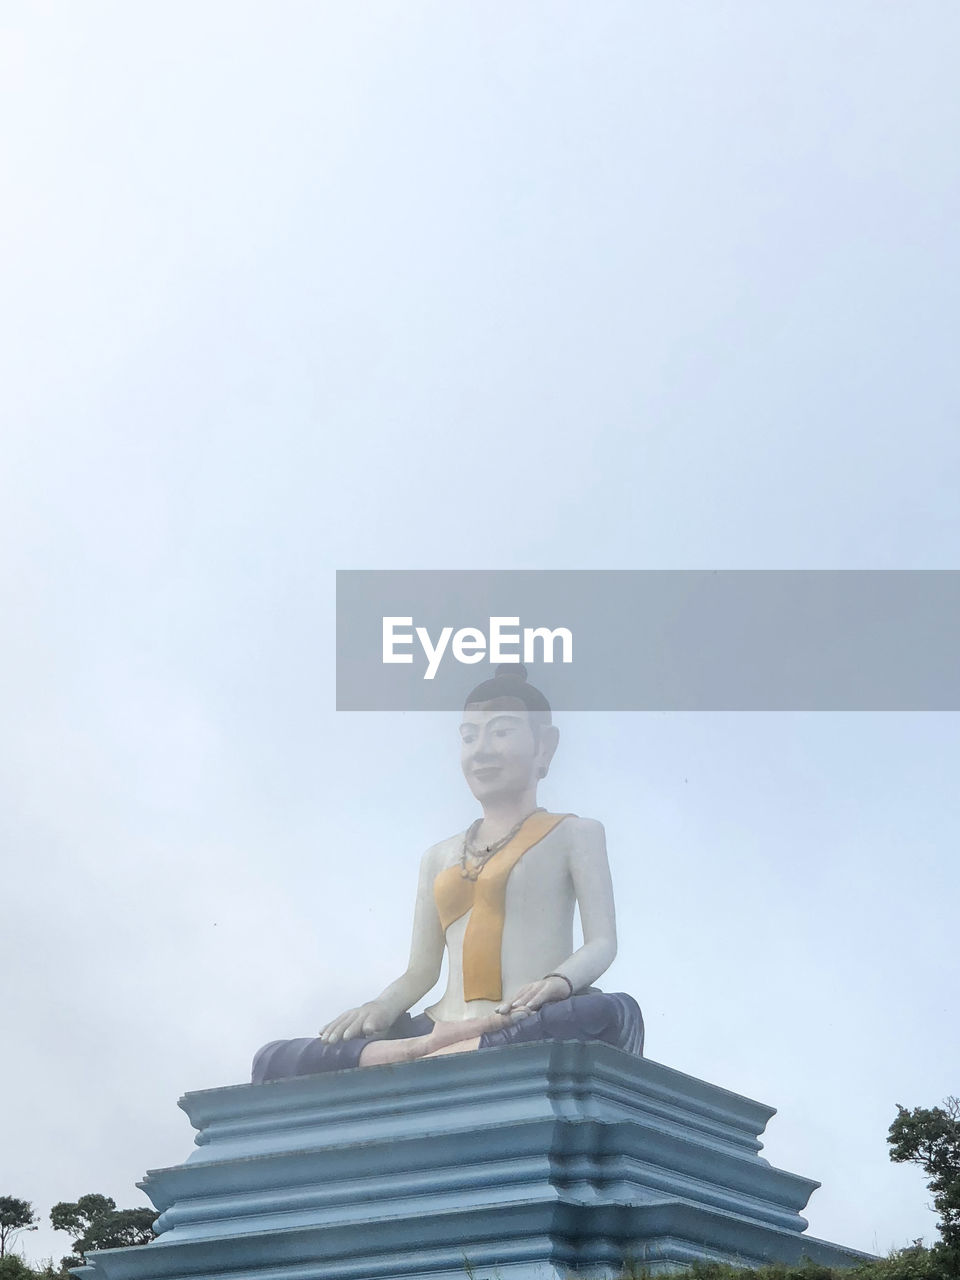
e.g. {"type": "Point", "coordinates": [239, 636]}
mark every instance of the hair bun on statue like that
{"type": "Point", "coordinates": [515, 670]}
{"type": "Point", "coordinates": [509, 680]}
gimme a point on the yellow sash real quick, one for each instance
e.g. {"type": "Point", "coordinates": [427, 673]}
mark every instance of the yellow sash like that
{"type": "Point", "coordinates": [455, 895]}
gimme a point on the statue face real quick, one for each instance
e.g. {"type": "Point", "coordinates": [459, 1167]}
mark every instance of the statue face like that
{"type": "Point", "coordinates": [500, 753]}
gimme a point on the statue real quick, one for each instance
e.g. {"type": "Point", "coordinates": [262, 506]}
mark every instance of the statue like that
{"type": "Point", "coordinates": [500, 898]}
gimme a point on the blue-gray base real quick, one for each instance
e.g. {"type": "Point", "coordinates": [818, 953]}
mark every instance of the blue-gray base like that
{"type": "Point", "coordinates": [529, 1162]}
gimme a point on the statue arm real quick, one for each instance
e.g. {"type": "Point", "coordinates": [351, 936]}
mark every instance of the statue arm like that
{"type": "Point", "coordinates": [593, 887]}
{"type": "Point", "coordinates": [426, 948]}
{"type": "Point", "coordinates": [423, 969]}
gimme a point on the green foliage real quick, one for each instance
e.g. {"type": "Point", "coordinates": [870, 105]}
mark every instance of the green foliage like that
{"type": "Point", "coordinates": [930, 1138]}
{"type": "Point", "coordinates": [75, 1217]}
{"type": "Point", "coordinates": [915, 1263]}
{"type": "Point", "coordinates": [15, 1215]}
{"type": "Point", "coordinates": [14, 1268]}
{"type": "Point", "coordinates": [95, 1222]}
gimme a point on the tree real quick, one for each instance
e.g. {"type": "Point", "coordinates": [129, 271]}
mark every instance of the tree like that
{"type": "Point", "coordinates": [930, 1138]}
{"type": "Point", "coordinates": [15, 1215]}
{"type": "Point", "coordinates": [95, 1222]}
{"type": "Point", "coordinates": [14, 1268]}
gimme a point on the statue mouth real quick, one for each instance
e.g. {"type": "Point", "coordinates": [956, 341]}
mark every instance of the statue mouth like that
{"type": "Point", "coordinates": [487, 772]}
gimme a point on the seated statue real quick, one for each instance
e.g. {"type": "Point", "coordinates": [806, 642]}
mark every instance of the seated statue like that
{"type": "Point", "coordinates": [500, 898]}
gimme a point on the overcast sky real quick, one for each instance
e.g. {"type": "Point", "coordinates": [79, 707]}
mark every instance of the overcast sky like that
{"type": "Point", "coordinates": [303, 286]}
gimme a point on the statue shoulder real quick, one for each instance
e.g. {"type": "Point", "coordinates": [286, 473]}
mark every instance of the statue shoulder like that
{"type": "Point", "coordinates": [442, 854]}
{"type": "Point", "coordinates": [585, 828]}
{"type": "Point", "coordinates": [585, 835]}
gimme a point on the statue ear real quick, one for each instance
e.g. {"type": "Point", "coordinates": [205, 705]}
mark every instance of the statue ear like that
{"type": "Point", "coordinates": [549, 738]}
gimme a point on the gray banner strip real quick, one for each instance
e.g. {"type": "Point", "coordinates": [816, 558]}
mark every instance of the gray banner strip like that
{"type": "Point", "coordinates": [641, 640]}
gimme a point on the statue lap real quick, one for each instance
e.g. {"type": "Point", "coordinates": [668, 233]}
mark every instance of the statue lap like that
{"type": "Point", "coordinates": [613, 1018]}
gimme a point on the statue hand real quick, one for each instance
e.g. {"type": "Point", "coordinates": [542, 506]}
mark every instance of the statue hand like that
{"type": "Point", "coordinates": [535, 994]}
{"type": "Point", "coordinates": [366, 1020]}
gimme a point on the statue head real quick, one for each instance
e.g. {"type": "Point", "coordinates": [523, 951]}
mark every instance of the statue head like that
{"type": "Point", "coordinates": [507, 735]}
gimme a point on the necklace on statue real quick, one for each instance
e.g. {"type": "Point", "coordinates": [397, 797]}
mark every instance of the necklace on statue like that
{"type": "Point", "coordinates": [474, 858]}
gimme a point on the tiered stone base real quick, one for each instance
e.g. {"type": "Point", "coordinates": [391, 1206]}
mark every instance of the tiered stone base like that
{"type": "Point", "coordinates": [531, 1162]}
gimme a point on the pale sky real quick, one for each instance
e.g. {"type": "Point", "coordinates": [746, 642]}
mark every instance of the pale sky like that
{"type": "Point", "coordinates": [297, 287]}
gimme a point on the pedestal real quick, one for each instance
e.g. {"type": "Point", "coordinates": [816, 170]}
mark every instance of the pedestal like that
{"type": "Point", "coordinates": [529, 1162]}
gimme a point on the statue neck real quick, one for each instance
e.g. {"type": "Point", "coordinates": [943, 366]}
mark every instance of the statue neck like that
{"type": "Point", "coordinates": [500, 813]}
